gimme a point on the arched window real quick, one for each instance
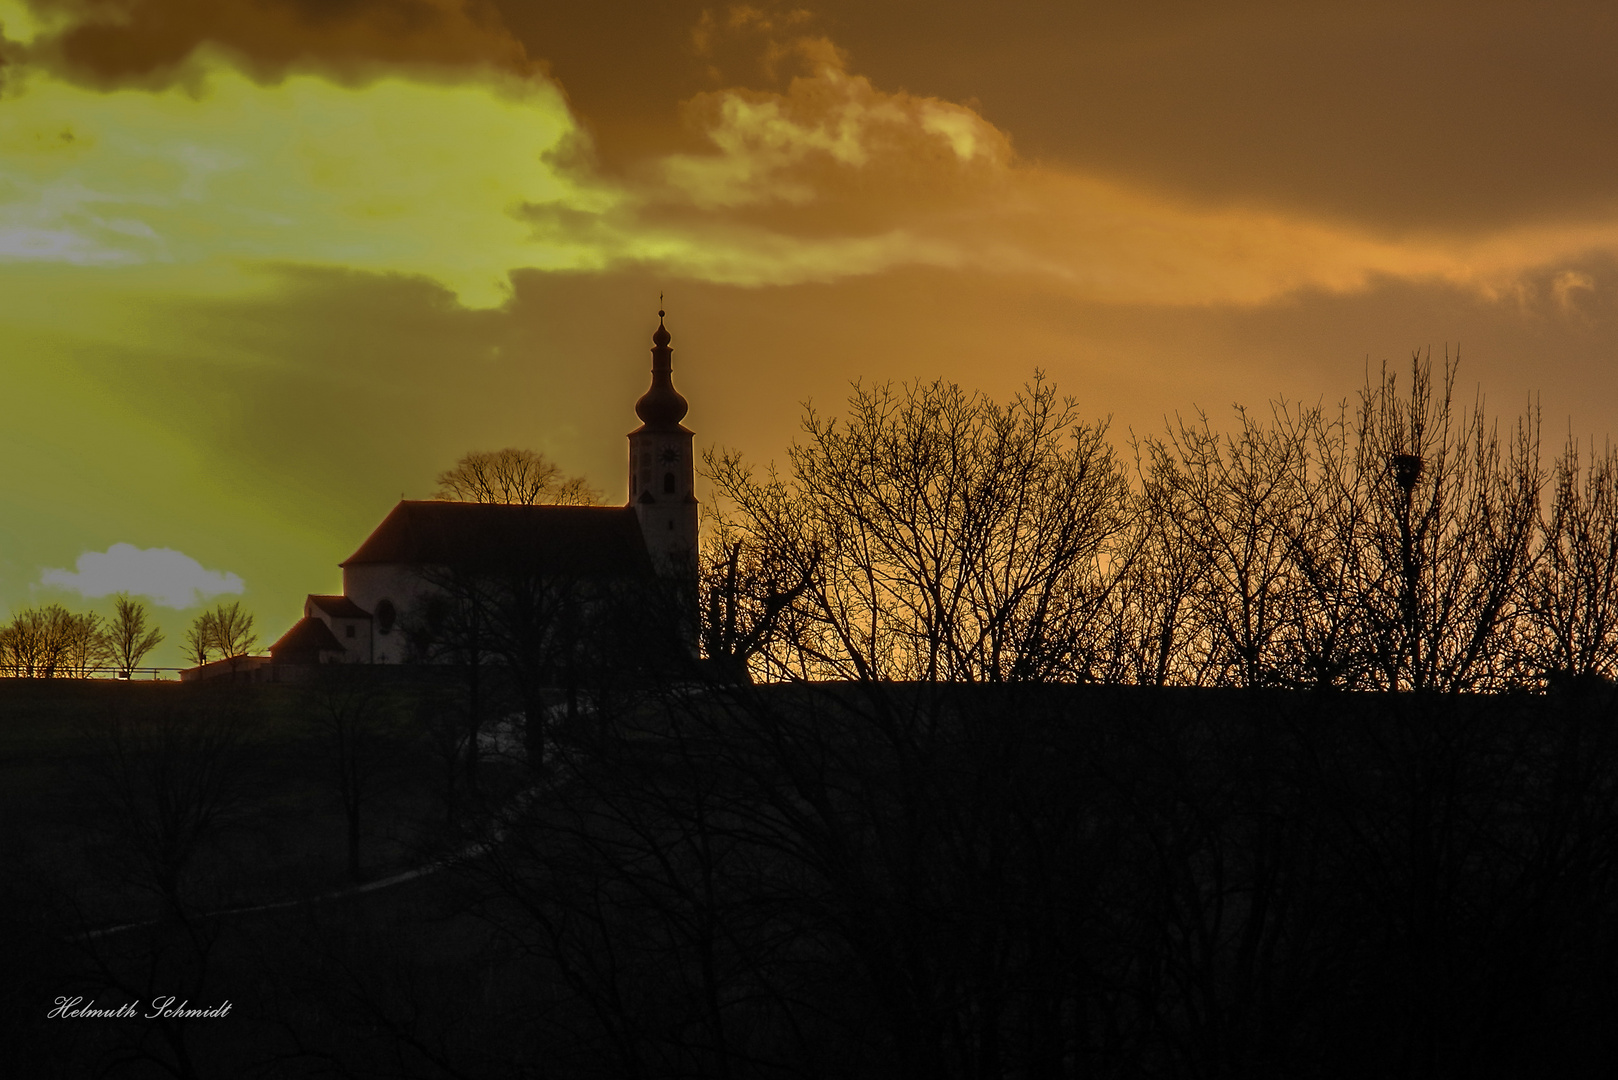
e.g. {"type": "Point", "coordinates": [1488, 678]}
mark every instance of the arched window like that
{"type": "Point", "coordinates": [668, 483]}
{"type": "Point", "coordinates": [384, 614]}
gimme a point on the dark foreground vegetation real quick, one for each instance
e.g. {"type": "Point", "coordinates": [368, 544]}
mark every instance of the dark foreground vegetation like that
{"type": "Point", "coordinates": [874, 880]}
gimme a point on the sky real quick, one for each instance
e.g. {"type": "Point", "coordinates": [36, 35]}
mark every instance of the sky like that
{"type": "Point", "coordinates": [267, 266]}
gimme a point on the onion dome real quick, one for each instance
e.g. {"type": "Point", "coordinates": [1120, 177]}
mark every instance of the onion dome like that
{"type": "Point", "coordinates": [661, 405]}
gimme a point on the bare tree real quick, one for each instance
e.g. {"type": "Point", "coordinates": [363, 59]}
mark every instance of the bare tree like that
{"type": "Point", "coordinates": [746, 591]}
{"type": "Point", "coordinates": [1327, 541]}
{"type": "Point", "coordinates": [51, 642]}
{"type": "Point", "coordinates": [233, 630]}
{"type": "Point", "coordinates": [1233, 505]}
{"type": "Point", "coordinates": [1145, 629]}
{"type": "Point", "coordinates": [1249, 537]}
{"type": "Point", "coordinates": [199, 640]}
{"type": "Point", "coordinates": [522, 477]}
{"type": "Point", "coordinates": [1451, 510]}
{"type": "Point", "coordinates": [85, 646]}
{"type": "Point", "coordinates": [225, 630]}
{"type": "Point", "coordinates": [23, 646]}
{"type": "Point", "coordinates": [1387, 549]}
{"type": "Point", "coordinates": [128, 636]}
{"type": "Point", "coordinates": [1571, 629]}
{"type": "Point", "coordinates": [939, 536]}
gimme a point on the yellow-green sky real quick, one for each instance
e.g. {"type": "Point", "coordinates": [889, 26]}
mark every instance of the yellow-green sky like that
{"type": "Point", "coordinates": [266, 265]}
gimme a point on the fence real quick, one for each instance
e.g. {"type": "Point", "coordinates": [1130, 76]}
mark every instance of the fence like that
{"type": "Point", "coordinates": [142, 674]}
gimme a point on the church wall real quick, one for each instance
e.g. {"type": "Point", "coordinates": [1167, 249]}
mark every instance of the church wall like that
{"type": "Point", "coordinates": [354, 634]}
{"type": "Point", "coordinates": [368, 585]}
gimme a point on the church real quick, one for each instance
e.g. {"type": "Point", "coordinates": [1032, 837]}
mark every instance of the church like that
{"type": "Point", "coordinates": [397, 583]}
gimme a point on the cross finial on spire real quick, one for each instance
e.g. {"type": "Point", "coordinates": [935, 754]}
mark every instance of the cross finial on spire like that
{"type": "Point", "coordinates": [659, 305]}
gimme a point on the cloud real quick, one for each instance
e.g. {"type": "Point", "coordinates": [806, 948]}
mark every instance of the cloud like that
{"type": "Point", "coordinates": [1566, 283]}
{"type": "Point", "coordinates": [826, 134]}
{"type": "Point", "coordinates": [171, 578]}
{"type": "Point", "coordinates": [155, 43]}
{"type": "Point", "coordinates": [834, 177]}
{"type": "Point", "coordinates": [464, 181]}
{"type": "Point", "coordinates": [1459, 113]}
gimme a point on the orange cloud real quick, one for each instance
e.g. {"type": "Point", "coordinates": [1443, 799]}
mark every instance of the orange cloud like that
{"type": "Point", "coordinates": [832, 177]}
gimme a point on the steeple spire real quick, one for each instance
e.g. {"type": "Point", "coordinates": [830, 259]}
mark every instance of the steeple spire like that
{"type": "Point", "coordinates": [661, 405]}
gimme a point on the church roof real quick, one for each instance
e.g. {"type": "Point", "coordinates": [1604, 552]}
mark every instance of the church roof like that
{"type": "Point", "coordinates": [588, 541]}
{"type": "Point", "coordinates": [339, 607]}
{"type": "Point", "coordinates": [307, 634]}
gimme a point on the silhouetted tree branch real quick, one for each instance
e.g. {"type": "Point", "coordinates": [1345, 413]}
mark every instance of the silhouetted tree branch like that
{"type": "Point", "coordinates": [128, 636]}
{"type": "Point", "coordinates": [931, 534]}
{"type": "Point", "coordinates": [1451, 511]}
{"type": "Point", "coordinates": [52, 642]}
{"type": "Point", "coordinates": [1572, 603]}
{"type": "Point", "coordinates": [513, 476]}
{"type": "Point", "coordinates": [224, 630]}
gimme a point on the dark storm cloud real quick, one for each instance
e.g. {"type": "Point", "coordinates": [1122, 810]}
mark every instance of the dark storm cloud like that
{"type": "Point", "coordinates": [147, 42]}
{"type": "Point", "coordinates": [1428, 117]}
{"type": "Point", "coordinates": [1399, 116]}
{"type": "Point", "coordinates": [627, 66]}
{"type": "Point", "coordinates": [1402, 117]}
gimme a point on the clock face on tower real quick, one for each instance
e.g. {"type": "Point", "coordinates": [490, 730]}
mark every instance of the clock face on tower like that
{"type": "Point", "coordinates": [669, 454]}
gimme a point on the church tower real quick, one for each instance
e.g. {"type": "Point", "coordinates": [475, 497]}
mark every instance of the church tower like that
{"type": "Point", "coordinates": [662, 472]}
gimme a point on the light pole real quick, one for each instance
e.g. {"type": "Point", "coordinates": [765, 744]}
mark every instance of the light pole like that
{"type": "Point", "coordinates": [1406, 472]}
